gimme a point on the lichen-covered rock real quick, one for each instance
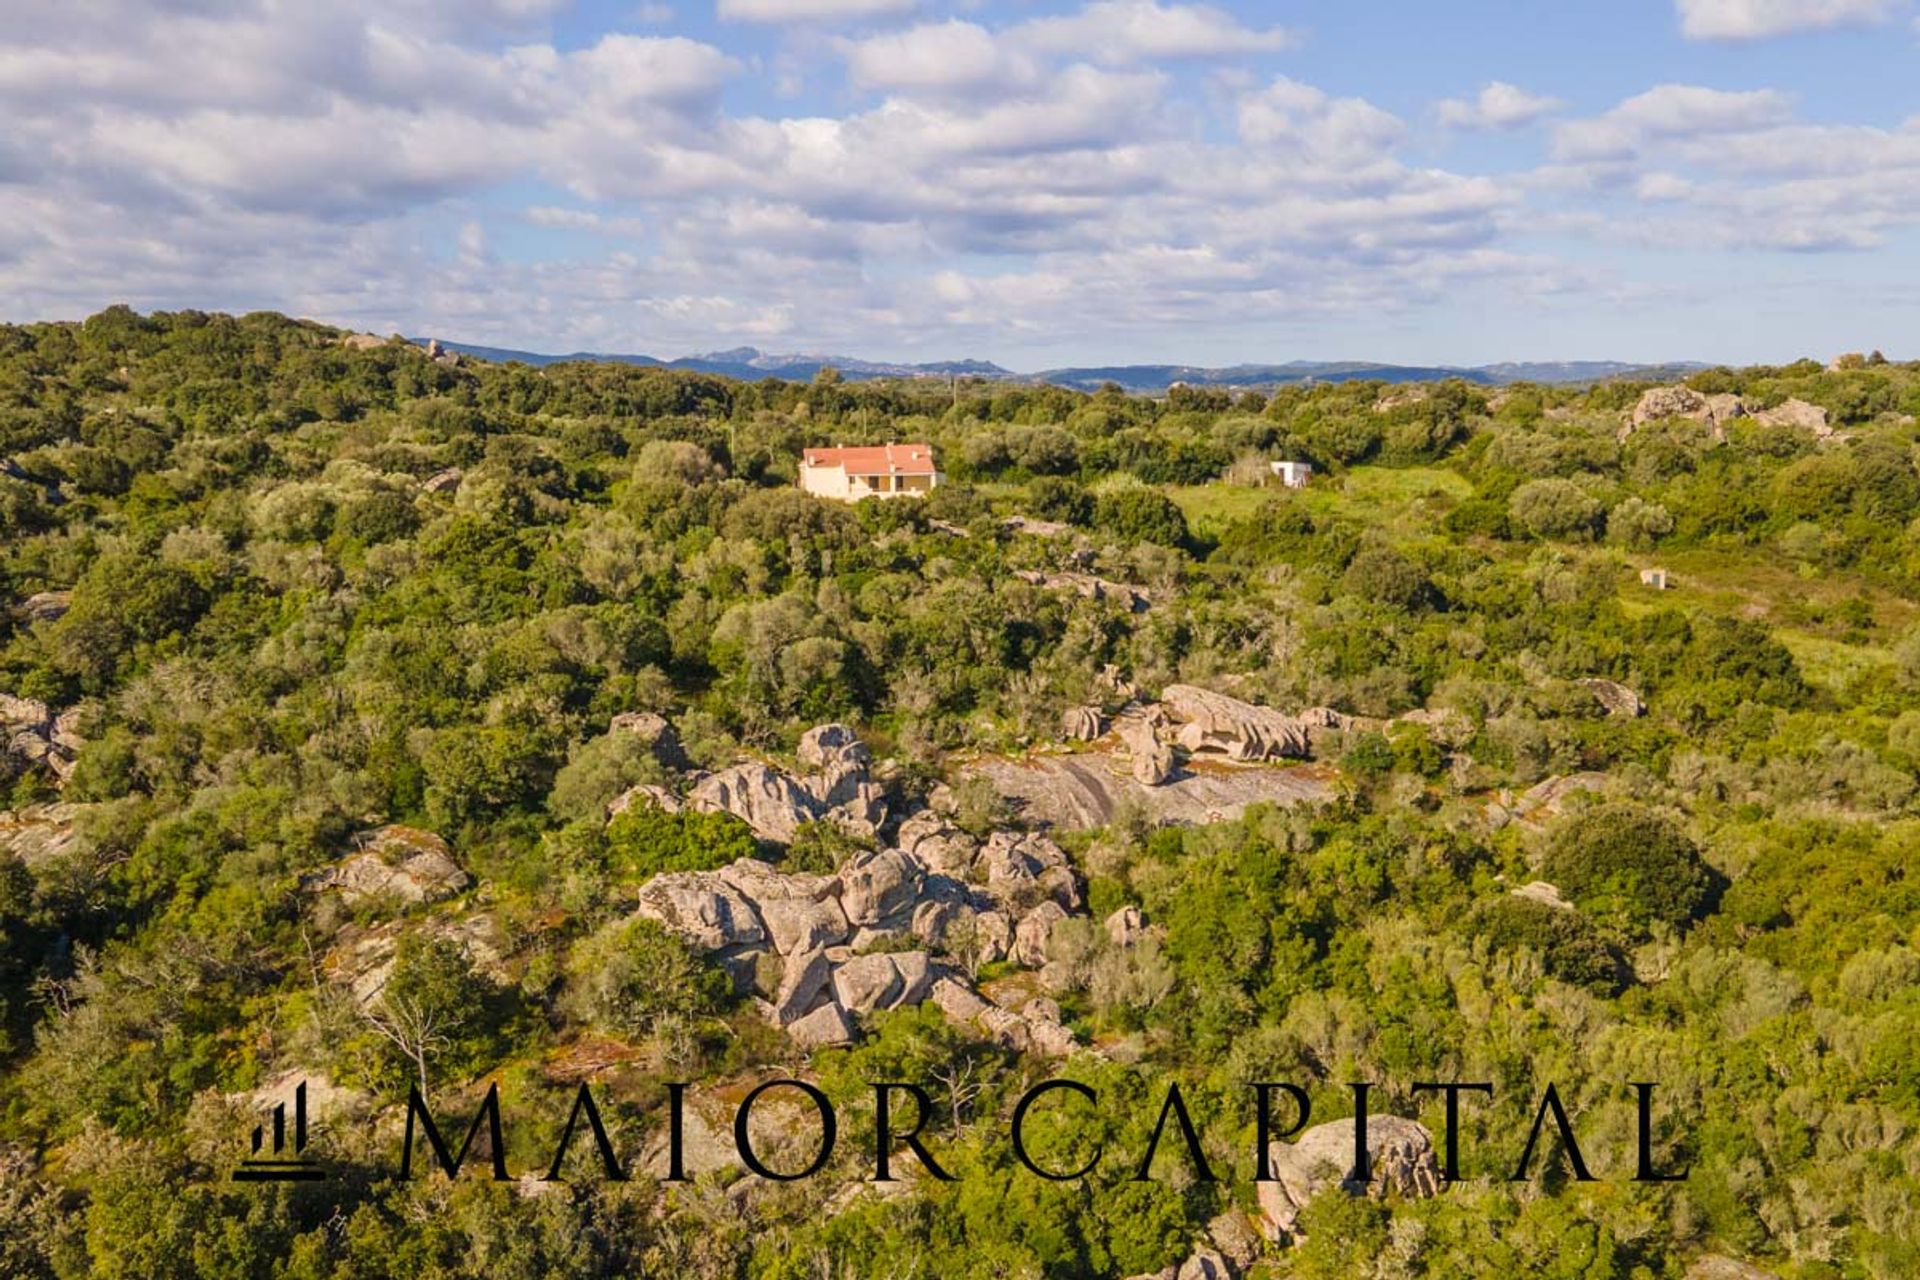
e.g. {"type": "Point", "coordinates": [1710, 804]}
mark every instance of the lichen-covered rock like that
{"type": "Point", "coordinates": [939, 846]}
{"type": "Point", "coordinates": [1658, 403]}
{"type": "Point", "coordinates": [1548, 797]}
{"type": "Point", "coordinates": [1399, 1151]}
{"type": "Point", "coordinates": [1236, 1239]}
{"type": "Point", "coordinates": [1035, 1028]}
{"type": "Point", "coordinates": [1543, 893]}
{"type": "Point", "coordinates": [767, 800]}
{"type": "Point", "coordinates": [395, 864]}
{"type": "Point", "coordinates": [800, 912]}
{"type": "Point", "coordinates": [839, 776]}
{"type": "Point", "coordinates": [645, 793]}
{"type": "Point", "coordinates": [703, 909]}
{"type": "Point", "coordinates": [361, 958]}
{"type": "Point", "coordinates": [39, 832]}
{"type": "Point", "coordinates": [1617, 698]}
{"type": "Point", "coordinates": [45, 606]}
{"type": "Point", "coordinates": [961, 1003]}
{"type": "Point", "coordinates": [829, 744]}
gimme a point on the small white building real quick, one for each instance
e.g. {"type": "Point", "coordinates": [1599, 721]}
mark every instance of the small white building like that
{"type": "Point", "coordinates": [1655, 578]}
{"type": "Point", "coordinates": [869, 471]}
{"type": "Point", "coordinates": [1292, 474]}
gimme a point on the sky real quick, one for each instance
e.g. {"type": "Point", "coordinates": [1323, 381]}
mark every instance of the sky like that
{"type": "Point", "coordinates": [1037, 184]}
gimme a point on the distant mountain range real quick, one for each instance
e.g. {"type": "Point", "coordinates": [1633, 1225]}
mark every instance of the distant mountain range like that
{"type": "Point", "coordinates": [751, 364]}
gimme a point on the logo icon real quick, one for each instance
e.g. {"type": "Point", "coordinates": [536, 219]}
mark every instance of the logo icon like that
{"type": "Point", "coordinates": [277, 1166]}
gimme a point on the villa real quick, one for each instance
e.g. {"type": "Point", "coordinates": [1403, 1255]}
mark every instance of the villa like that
{"type": "Point", "coordinates": [868, 471]}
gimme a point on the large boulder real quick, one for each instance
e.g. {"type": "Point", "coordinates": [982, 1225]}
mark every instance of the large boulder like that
{"type": "Point", "coordinates": [1659, 403]}
{"type": "Point", "coordinates": [1152, 759]}
{"type": "Point", "coordinates": [767, 800]}
{"type": "Point", "coordinates": [1082, 724]}
{"type": "Point", "coordinates": [395, 864]}
{"type": "Point", "coordinates": [839, 776]}
{"type": "Point", "coordinates": [1798, 414]}
{"type": "Point", "coordinates": [937, 844]}
{"type": "Point", "coordinates": [1236, 1238]}
{"type": "Point", "coordinates": [1616, 698]}
{"type": "Point", "coordinates": [644, 794]}
{"type": "Point", "coordinates": [33, 733]}
{"type": "Point", "coordinates": [653, 729]}
{"type": "Point", "coordinates": [802, 980]}
{"type": "Point", "coordinates": [865, 984]}
{"type": "Point", "coordinates": [45, 606]}
{"type": "Point", "coordinates": [826, 1027]}
{"type": "Point", "coordinates": [960, 1002]}
{"type": "Point", "coordinates": [879, 884]}
{"type": "Point", "coordinates": [1126, 926]}
{"type": "Point", "coordinates": [800, 912]}
{"type": "Point", "coordinates": [1034, 932]}
{"type": "Point", "coordinates": [1399, 1151]}
{"type": "Point", "coordinates": [826, 746]}
{"type": "Point", "coordinates": [1022, 868]}
{"type": "Point", "coordinates": [708, 913]}
{"type": "Point", "coordinates": [1214, 722]}
{"type": "Point", "coordinates": [1207, 1263]}
{"type": "Point", "coordinates": [802, 924]}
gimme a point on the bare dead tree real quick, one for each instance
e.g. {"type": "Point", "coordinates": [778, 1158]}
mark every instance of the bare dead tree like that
{"type": "Point", "coordinates": [411, 1025]}
{"type": "Point", "coordinates": [965, 1078]}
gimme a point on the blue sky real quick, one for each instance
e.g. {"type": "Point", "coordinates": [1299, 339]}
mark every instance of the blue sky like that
{"type": "Point", "coordinates": [1038, 184]}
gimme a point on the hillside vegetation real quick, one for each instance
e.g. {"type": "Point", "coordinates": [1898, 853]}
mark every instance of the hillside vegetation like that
{"type": "Point", "coordinates": [271, 589]}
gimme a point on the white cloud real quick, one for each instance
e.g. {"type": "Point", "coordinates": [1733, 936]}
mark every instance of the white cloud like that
{"type": "Point", "coordinates": [1289, 118]}
{"type": "Point", "coordinates": [1757, 19]}
{"type": "Point", "coordinates": [1498, 105]}
{"type": "Point", "coordinates": [1121, 31]}
{"type": "Point", "coordinates": [778, 11]}
{"type": "Point", "coordinates": [375, 162]}
{"type": "Point", "coordinates": [937, 58]}
{"type": "Point", "coordinates": [1669, 111]}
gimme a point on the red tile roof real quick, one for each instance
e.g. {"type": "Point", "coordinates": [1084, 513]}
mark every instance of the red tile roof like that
{"type": "Point", "coordinates": [876, 460]}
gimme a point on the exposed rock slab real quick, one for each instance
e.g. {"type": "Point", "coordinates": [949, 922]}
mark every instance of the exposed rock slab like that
{"type": "Point", "coordinates": [395, 864]}
{"type": "Point", "coordinates": [1073, 792]}
{"type": "Point", "coordinates": [38, 832]}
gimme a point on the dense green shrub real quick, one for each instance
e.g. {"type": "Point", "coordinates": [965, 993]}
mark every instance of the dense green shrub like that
{"type": "Point", "coordinates": [646, 840]}
{"type": "Point", "coordinates": [1629, 864]}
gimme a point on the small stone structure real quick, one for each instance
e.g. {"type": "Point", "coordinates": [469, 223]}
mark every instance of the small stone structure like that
{"type": "Point", "coordinates": [1294, 475]}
